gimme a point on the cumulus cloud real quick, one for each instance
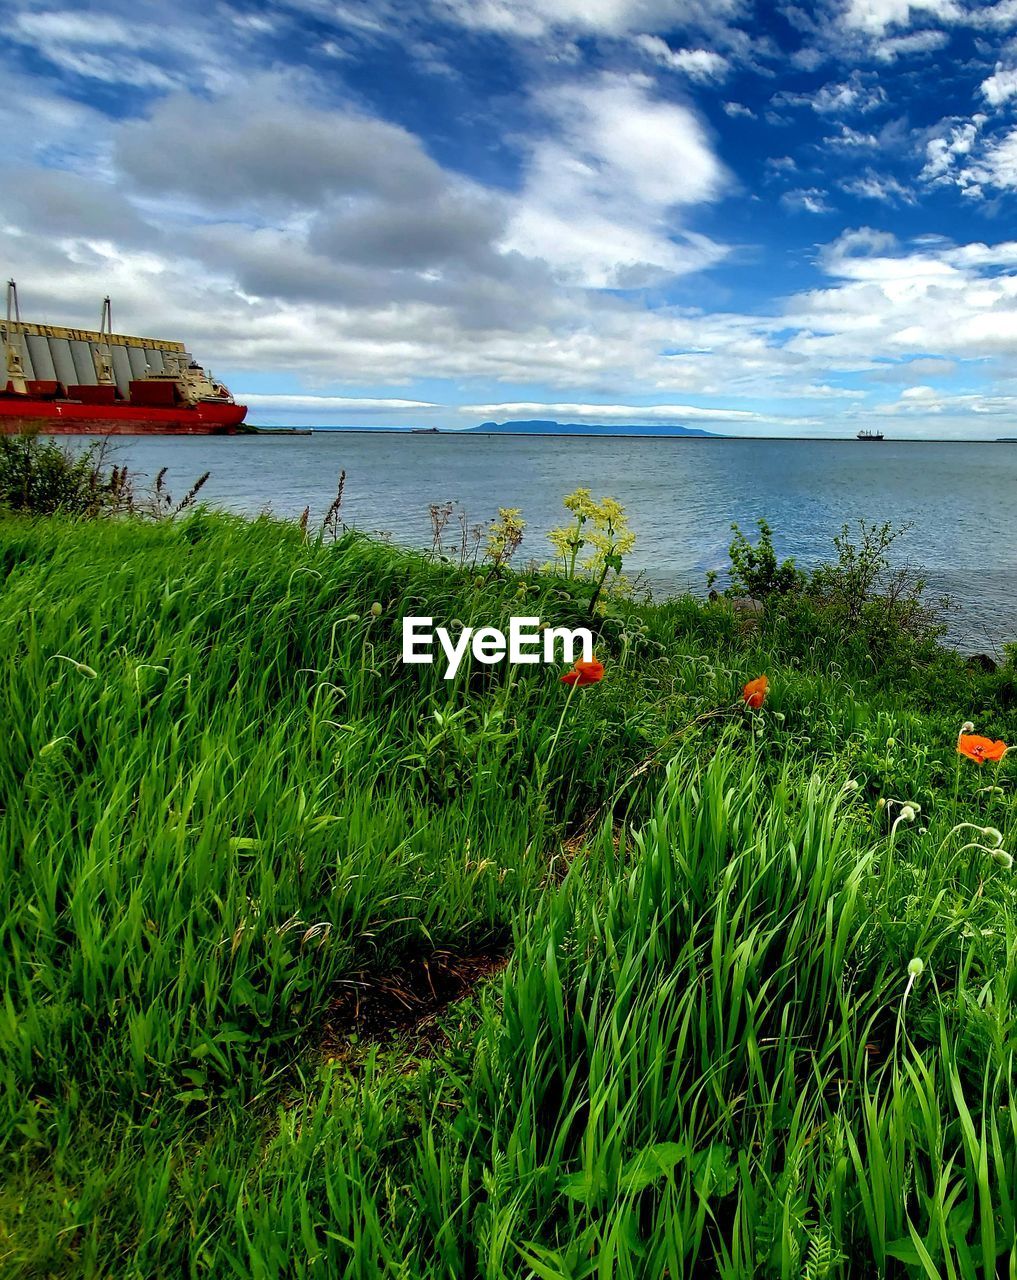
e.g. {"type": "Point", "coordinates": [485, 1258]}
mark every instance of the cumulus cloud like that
{"type": "Point", "coordinates": [697, 64]}
{"type": "Point", "coordinates": [600, 188]}
{"type": "Point", "coordinates": [811, 199]}
{"type": "Point", "coordinates": [1001, 86]}
{"type": "Point", "coordinates": [279, 225]}
{"type": "Point", "coordinates": [969, 157]}
{"type": "Point", "coordinates": [858, 95]}
{"type": "Point", "coordinates": [945, 149]}
{"type": "Point", "coordinates": [874, 17]}
{"type": "Point", "coordinates": [261, 145]}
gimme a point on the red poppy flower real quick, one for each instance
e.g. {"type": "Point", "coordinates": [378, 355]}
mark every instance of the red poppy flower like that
{"type": "Point", "coordinates": [980, 749]}
{"type": "Point", "coordinates": [755, 692]}
{"type": "Point", "coordinates": [584, 673]}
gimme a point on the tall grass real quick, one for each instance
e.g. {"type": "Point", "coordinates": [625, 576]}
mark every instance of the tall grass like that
{"type": "Point", "coordinates": [223, 797]}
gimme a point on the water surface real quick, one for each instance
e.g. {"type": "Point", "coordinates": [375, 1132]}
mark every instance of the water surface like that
{"type": "Point", "coordinates": [681, 495]}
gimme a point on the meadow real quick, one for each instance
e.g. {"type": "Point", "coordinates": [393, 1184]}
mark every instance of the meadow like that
{"type": "Point", "coordinates": [315, 964]}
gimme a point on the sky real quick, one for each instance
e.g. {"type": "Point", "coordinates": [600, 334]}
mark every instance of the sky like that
{"type": "Point", "coordinates": [753, 218]}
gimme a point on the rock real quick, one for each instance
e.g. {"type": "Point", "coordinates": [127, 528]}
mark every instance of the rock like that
{"type": "Point", "coordinates": [747, 605]}
{"type": "Point", "coordinates": [981, 662]}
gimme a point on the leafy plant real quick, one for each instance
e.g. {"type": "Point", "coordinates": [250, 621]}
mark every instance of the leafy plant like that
{"type": "Point", "coordinates": [755, 569]}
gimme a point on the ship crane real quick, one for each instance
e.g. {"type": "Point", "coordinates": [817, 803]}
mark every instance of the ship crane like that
{"type": "Point", "coordinates": [102, 356]}
{"type": "Point", "coordinates": [12, 356]}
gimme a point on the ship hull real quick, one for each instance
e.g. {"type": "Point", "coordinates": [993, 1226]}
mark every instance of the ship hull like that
{"type": "Point", "coordinates": [64, 417]}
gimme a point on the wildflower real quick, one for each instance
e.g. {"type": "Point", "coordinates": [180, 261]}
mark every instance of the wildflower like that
{"type": "Point", "coordinates": [916, 967]}
{"type": "Point", "coordinates": [755, 692]}
{"type": "Point", "coordinates": [376, 610]}
{"type": "Point", "coordinates": [584, 673]}
{"type": "Point", "coordinates": [504, 535]}
{"type": "Point", "coordinates": [980, 749]}
{"type": "Point", "coordinates": [1004, 859]}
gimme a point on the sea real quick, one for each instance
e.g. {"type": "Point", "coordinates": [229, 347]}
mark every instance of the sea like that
{"type": "Point", "coordinates": [682, 497]}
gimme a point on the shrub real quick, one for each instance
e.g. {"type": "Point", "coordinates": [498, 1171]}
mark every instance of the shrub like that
{"type": "Point", "coordinates": [41, 477]}
{"type": "Point", "coordinates": [861, 589]}
{"type": "Point", "coordinates": [755, 570]}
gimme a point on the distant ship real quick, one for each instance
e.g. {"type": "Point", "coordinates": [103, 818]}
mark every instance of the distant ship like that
{"type": "Point", "coordinates": [96, 382]}
{"type": "Point", "coordinates": [870, 435]}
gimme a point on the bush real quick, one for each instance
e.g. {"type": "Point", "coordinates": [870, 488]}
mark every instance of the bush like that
{"type": "Point", "coordinates": [41, 477]}
{"type": "Point", "coordinates": [755, 570]}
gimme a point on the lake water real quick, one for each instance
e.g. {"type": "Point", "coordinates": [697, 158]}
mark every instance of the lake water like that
{"type": "Point", "coordinates": [681, 496]}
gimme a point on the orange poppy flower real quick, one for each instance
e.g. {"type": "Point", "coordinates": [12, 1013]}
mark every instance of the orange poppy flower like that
{"type": "Point", "coordinates": [584, 673]}
{"type": "Point", "coordinates": [980, 749]}
{"type": "Point", "coordinates": [755, 692]}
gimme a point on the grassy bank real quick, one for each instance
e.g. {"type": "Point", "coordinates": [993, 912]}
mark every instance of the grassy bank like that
{"type": "Point", "coordinates": [315, 964]}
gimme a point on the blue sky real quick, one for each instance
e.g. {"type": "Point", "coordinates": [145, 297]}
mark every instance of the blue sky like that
{"type": "Point", "coordinates": [755, 218]}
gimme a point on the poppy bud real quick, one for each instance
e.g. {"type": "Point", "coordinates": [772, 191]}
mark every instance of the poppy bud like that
{"type": "Point", "coordinates": [916, 967]}
{"type": "Point", "coordinates": [376, 610]}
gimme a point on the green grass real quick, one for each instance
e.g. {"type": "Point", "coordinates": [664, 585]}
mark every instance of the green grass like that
{"type": "Point", "coordinates": [223, 797]}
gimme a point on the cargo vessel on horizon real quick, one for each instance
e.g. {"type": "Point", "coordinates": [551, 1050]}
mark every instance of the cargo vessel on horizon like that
{"type": "Point", "coordinates": [95, 382]}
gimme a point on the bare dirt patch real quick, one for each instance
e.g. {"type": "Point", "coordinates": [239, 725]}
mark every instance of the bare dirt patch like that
{"type": "Point", "coordinates": [408, 1005]}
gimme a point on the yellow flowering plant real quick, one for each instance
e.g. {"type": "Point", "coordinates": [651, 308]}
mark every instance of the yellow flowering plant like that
{"type": "Point", "coordinates": [608, 537]}
{"type": "Point", "coordinates": [504, 535]}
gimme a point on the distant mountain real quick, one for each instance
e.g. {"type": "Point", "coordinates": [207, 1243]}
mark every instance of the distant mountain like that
{"type": "Point", "coordinates": [544, 427]}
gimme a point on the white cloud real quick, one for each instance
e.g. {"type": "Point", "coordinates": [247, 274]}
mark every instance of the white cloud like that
{"type": "Point", "coordinates": [874, 16]}
{"type": "Point", "coordinates": [69, 27]}
{"type": "Point", "coordinates": [1000, 15]}
{"type": "Point", "coordinates": [998, 166]}
{"type": "Point", "coordinates": [1001, 86]}
{"type": "Point", "coordinates": [859, 94]}
{"type": "Point", "coordinates": [851, 138]}
{"type": "Point", "coordinates": [734, 109]}
{"type": "Point", "coordinates": [811, 199]}
{"type": "Point", "coordinates": [697, 64]}
{"type": "Point", "coordinates": [943, 151]}
{"type": "Point", "coordinates": [331, 405]}
{"type": "Point", "coordinates": [605, 413]}
{"type": "Point", "coordinates": [601, 188]}
{"type": "Point", "coordinates": [893, 47]}
{"type": "Point", "coordinates": [972, 160]}
{"type": "Point", "coordinates": [928, 400]}
{"type": "Point", "coordinates": [533, 19]}
{"type": "Point", "coordinates": [879, 186]}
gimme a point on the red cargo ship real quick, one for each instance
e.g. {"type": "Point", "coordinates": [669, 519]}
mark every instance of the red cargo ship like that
{"type": "Point", "coordinates": [74, 381]}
